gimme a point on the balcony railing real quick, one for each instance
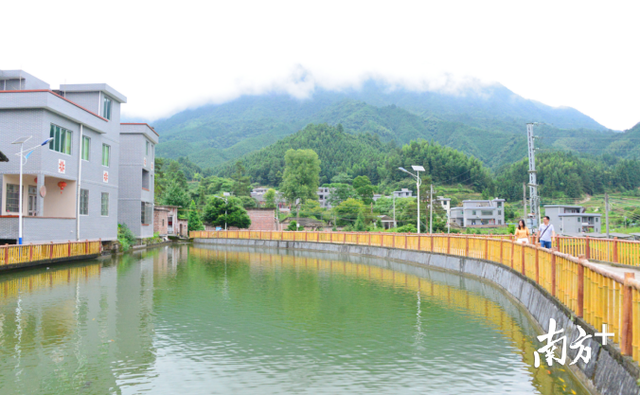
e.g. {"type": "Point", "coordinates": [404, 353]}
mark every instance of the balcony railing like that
{"type": "Point", "coordinates": [33, 253]}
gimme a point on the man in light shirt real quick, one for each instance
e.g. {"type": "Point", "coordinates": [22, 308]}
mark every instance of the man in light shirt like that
{"type": "Point", "coordinates": [546, 233]}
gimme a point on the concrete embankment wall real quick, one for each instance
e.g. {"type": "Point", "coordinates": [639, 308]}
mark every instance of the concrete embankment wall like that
{"type": "Point", "coordinates": [608, 371]}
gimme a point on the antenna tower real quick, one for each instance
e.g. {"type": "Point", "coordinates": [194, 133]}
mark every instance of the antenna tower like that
{"type": "Point", "coordinates": [533, 184]}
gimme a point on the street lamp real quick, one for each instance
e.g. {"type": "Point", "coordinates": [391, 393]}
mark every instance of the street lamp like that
{"type": "Point", "coordinates": [416, 176]}
{"type": "Point", "coordinates": [226, 204]}
{"type": "Point", "coordinates": [23, 160]}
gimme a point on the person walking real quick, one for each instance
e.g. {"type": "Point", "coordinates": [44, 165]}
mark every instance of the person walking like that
{"type": "Point", "coordinates": [522, 233]}
{"type": "Point", "coordinates": [546, 233]}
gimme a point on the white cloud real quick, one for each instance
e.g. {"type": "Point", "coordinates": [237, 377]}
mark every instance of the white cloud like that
{"type": "Point", "coordinates": [165, 58]}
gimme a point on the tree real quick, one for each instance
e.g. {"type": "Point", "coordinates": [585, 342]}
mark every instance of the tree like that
{"type": "Point", "coordinates": [363, 187]}
{"type": "Point", "coordinates": [270, 198]}
{"type": "Point", "coordinates": [293, 226]}
{"type": "Point", "coordinates": [340, 193]}
{"type": "Point", "coordinates": [347, 211]}
{"type": "Point", "coordinates": [214, 213]}
{"type": "Point", "coordinates": [195, 223]}
{"type": "Point", "coordinates": [248, 202]}
{"type": "Point", "coordinates": [341, 178]}
{"type": "Point", "coordinates": [301, 176]}
{"type": "Point", "coordinates": [175, 195]}
{"type": "Point", "coordinates": [241, 182]}
{"type": "Point", "coordinates": [359, 226]}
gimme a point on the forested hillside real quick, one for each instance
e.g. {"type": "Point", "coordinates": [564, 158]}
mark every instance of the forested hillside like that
{"type": "Point", "coordinates": [486, 122]}
{"type": "Point", "coordinates": [363, 154]}
{"type": "Point", "coordinates": [563, 174]}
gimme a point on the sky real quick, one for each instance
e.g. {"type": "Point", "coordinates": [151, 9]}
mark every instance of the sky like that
{"type": "Point", "coordinates": [169, 56]}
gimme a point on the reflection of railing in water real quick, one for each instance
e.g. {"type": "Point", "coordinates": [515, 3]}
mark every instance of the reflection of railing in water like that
{"type": "Point", "coordinates": [48, 279]}
{"type": "Point", "coordinates": [31, 253]}
{"type": "Point", "coordinates": [462, 299]}
{"type": "Point", "coordinates": [591, 292]}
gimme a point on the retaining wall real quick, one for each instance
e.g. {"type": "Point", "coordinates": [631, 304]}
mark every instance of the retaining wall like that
{"type": "Point", "coordinates": [608, 371]}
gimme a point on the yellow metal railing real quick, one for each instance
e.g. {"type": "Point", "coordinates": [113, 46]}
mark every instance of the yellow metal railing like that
{"type": "Point", "coordinates": [28, 253]}
{"type": "Point", "coordinates": [591, 292]}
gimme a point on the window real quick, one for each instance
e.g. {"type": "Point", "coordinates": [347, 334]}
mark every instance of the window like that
{"type": "Point", "coordinates": [597, 219]}
{"type": "Point", "coordinates": [147, 152]}
{"type": "Point", "coordinates": [106, 153]}
{"type": "Point", "coordinates": [13, 198]}
{"type": "Point", "coordinates": [145, 179]}
{"type": "Point", "coordinates": [104, 204]}
{"type": "Point", "coordinates": [499, 212]}
{"type": "Point", "coordinates": [84, 202]}
{"type": "Point", "coordinates": [86, 144]}
{"type": "Point", "coordinates": [473, 212]}
{"type": "Point", "coordinates": [487, 212]}
{"type": "Point", "coordinates": [499, 222]}
{"type": "Point", "coordinates": [106, 107]}
{"type": "Point", "coordinates": [61, 140]}
{"type": "Point", "coordinates": [145, 213]}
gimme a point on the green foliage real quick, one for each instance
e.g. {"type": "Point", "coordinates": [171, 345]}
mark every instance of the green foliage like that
{"type": "Point", "coordinates": [126, 238]}
{"type": "Point", "coordinates": [175, 194]}
{"type": "Point", "coordinates": [364, 189]}
{"type": "Point", "coordinates": [512, 229]}
{"type": "Point", "coordinates": [248, 202]}
{"type": "Point", "coordinates": [236, 215]}
{"type": "Point", "coordinates": [408, 228]}
{"type": "Point", "coordinates": [195, 223]}
{"type": "Point", "coordinates": [241, 181]}
{"type": "Point", "coordinates": [563, 174]}
{"type": "Point", "coordinates": [342, 178]}
{"type": "Point", "coordinates": [311, 209]}
{"type": "Point", "coordinates": [300, 179]}
{"type": "Point", "coordinates": [347, 211]}
{"type": "Point", "coordinates": [270, 198]}
{"type": "Point", "coordinates": [340, 193]}
{"type": "Point", "coordinates": [293, 226]}
{"type": "Point", "coordinates": [359, 225]}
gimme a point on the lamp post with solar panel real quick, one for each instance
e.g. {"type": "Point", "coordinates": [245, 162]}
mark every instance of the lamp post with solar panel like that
{"type": "Point", "coordinates": [417, 169]}
{"type": "Point", "coordinates": [23, 160]}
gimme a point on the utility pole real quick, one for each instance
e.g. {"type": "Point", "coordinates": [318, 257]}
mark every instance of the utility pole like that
{"type": "Point", "coordinates": [394, 211]}
{"type": "Point", "coordinates": [431, 211]}
{"type": "Point", "coordinates": [524, 200]}
{"type": "Point", "coordinates": [533, 185]}
{"type": "Point", "coordinates": [606, 211]}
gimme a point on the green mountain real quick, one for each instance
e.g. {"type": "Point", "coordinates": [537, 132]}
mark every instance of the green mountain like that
{"type": "Point", "coordinates": [486, 122]}
{"type": "Point", "coordinates": [362, 154]}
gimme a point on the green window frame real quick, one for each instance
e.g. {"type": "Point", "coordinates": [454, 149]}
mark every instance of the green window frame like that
{"type": "Point", "coordinates": [106, 155]}
{"type": "Point", "coordinates": [146, 211]}
{"type": "Point", "coordinates": [104, 204]}
{"type": "Point", "coordinates": [86, 147]}
{"type": "Point", "coordinates": [147, 151]}
{"type": "Point", "coordinates": [84, 202]}
{"type": "Point", "coordinates": [12, 201]}
{"type": "Point", "coordinates": [61, 139]}
{"type": "Point", "coordinates": [106, 107]}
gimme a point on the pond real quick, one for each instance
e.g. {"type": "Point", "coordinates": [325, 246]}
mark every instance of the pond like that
{"type": "Point", "coordinates": [217, 320]}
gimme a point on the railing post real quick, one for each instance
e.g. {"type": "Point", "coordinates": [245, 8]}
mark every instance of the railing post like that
{"type": "Point", "coordinates": [419, 242]}
{"type": "Point", "coordinates": [553, 271]}
{"type": "Point", "coordinates": [30, 252]}
{"type": "Point", "coordinates": [501, 248]}
{"type": "Point", "coordinates": [626, 335]}
{"type": "Point", "coordinates": [513, 248]}
{"type": "Point", "coordinates": [86, 246]}
{"type": "Point", "coordinates": [486, 248]}
{"type": "Point", "coordinates": [523, 256]}
{"type": "Point", "coordinates": [587, 249]}
{"type": "Point", "coordinates": [393, 238]}
{"type": "Point", "coordinates": [432, 240]}
{"type": "Point", "coordinates": [466, 250]}
{"type": "Point", "coordinates": [381, 239]}
{"type": "Point", "coordinates": [406, 240]}
{"type": "Point", "coordinates": [51, 251]}
{"type": "Point", "coordinates": [615, 250]}
{"type": "Point", "coordinates": [6, 254]}
{"type": "Point", "coordinates": [306, 234]}
{"type": "Point", "coordinates": [537, 265]}
{"type": "Point", "coordinates": [580, 301]}
{"type": "Point", "coordinates": [69, 248]}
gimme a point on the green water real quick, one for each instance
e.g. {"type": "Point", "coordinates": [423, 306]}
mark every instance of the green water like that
{"type": "Point", "coordinates": [192, 320]}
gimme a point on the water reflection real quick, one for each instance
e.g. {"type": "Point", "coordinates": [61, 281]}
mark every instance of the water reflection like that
{"type": "Point", "coordinates": [220, 320]}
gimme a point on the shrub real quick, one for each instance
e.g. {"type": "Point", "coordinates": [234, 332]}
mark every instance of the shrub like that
{"type": "Point", "coordinates": [126, 238]}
